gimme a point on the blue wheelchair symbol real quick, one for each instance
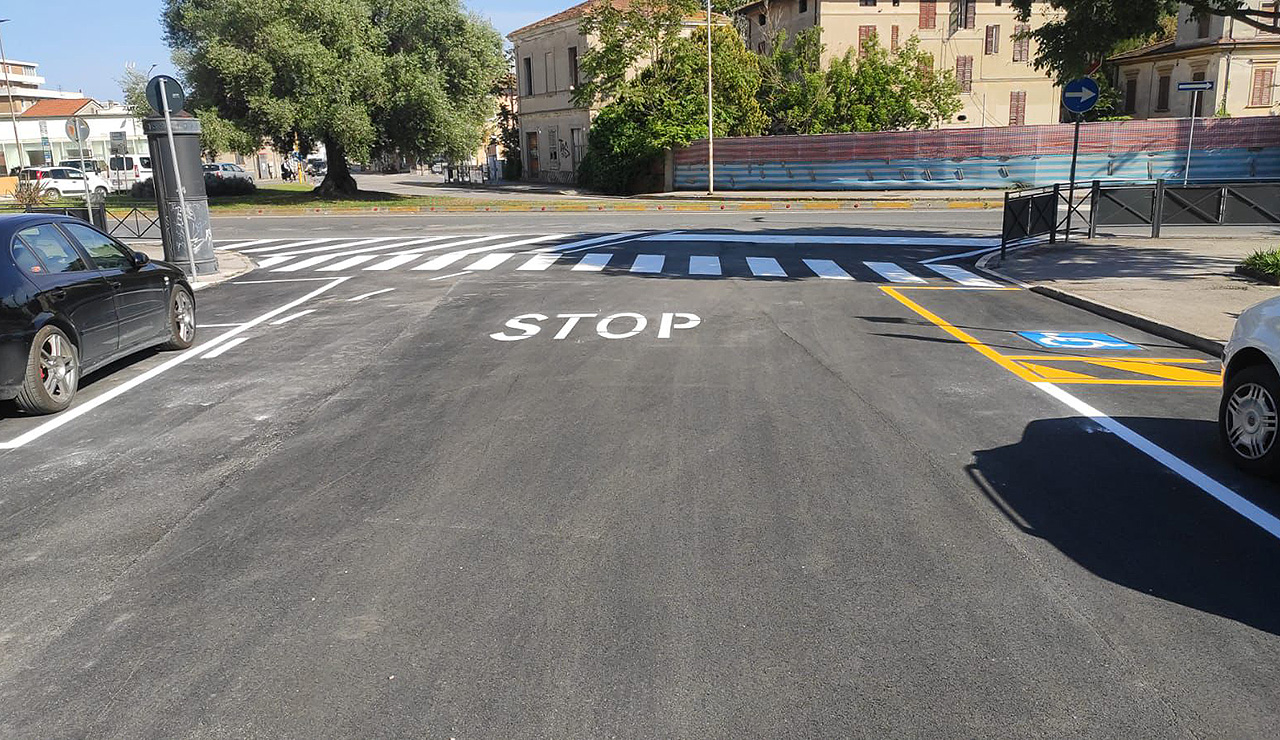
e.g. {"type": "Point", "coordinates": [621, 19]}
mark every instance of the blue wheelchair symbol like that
{"type": "Point", "coordinates": [1076, 340]}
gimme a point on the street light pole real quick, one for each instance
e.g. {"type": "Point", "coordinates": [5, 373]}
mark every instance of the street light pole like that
{"type": "Point", "coordinates": [17, 143]}
{"type": "Point", "coordinates": [711, 132]}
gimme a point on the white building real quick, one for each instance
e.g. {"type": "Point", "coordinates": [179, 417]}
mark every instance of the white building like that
{"type": "Point", "coordinates": [46, 121]}
{"type": "Point", "coordinates": [25, 86]}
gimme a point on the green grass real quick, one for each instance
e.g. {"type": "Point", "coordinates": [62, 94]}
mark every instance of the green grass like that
{"type": "Point", "coordinates": [1265, 261]}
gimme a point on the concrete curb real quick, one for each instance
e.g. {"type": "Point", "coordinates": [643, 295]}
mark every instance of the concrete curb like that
{"type": "Point", "coordinates": [648, 205]}
{"type": "Point", "coordinates": [1129, 318]}
{"type": "Point", "coordinates": [231, 266]}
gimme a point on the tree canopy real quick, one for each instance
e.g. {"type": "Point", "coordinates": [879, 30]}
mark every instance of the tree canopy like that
{"type": "Point", "coordinates": [1083, 33]}
{"type": "Point", "coordinates": [360, 76]}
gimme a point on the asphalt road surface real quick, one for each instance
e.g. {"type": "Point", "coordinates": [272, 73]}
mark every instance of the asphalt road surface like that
{"type": "Point", "coordinates": [558, 477]}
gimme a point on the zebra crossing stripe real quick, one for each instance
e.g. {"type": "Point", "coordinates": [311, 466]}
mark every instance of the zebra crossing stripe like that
{"type": "Point", "coordinates": [448, 259]}
{"type": "Point", "coordinates": [765, 267]}
{"type": "Point", "coordinates": [359, 259]}
{"type": "Point", "coordinates": [290, 244]}
{"type": "Point", "coordinates": [893, 273]}
{"type": "Point", "coordinates": [962, 276]}
{"type": "Point", "coordinates": [587, 243]}
{"type": "Point", "coordinates": [349, 245]}
{"type": "Point", "coordinates": [409, 255]}
{"type": "Point", "coordinates": [272, 261]}
{"type": "Point", "coordinates": [540, 262]}
{"type": "Point", "coordinates": [648, 263]}
{"type": "Point", "coordinates": [593, 262]}
{"type": "Point", "coordinates": [704, 265]}
{"type": "Point", "coordinates": [253, 243]}
{"type": "Point", "coordinates": [827, 269]}
{"type": "Point", "coordinates": [394, 262]}
{"type": "Point", "coordinates": [490, 261]}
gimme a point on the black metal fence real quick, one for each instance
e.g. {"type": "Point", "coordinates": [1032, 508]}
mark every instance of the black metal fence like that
{"type": "Point", "coordinates": [131, 223]}
{"type": "Point", "coordinates": [1049, 211]}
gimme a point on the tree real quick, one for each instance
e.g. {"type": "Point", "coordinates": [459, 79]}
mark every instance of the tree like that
{"type": "Point", "coordinates": [875, 90]}
{"type": "Point", "coordinates": [793, 87]}
{"type": "Point", "coordinates": [665, 106]}
{"type": "Point", "coordinates": [359, 76]}
{"type": "Point", "coordinates": [1087, 31]}
{"type": "Point", "coordinates": [624, 40]}
{"type": "Point", "coordinates": [133, 85]}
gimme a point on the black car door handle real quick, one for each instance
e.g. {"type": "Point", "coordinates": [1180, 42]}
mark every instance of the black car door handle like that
{"type": "Point", "coordinates": [58, 294]}
{"type": "Point", "coordinates": [115, 284]}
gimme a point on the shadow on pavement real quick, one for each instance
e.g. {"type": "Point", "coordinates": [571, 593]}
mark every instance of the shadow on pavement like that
{"type": "Point", "coordinates": [1123, 517]}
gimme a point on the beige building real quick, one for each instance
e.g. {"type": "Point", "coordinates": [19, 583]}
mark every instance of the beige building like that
{"type": "Point", "coordinates": [999, 86]}
{"type": "Point", "coordinates": [25, 86]}
{"type": "Point", "coordinates": [553, 131]}
{"type": "Point", "coordinates": [1239, 59]}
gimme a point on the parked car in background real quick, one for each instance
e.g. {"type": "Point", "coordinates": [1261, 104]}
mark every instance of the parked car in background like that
{"type": "Point", "coordinates": [72, 299]}
{"type": "Point", "coordinates": [125, 169]}
{"type": "Point", "coordinates": [64, 182]}
{"type": "Point", "coordinates": [227, 171]}
{"type": "Point", "coordinates": [96, 166]}
{"type": "Point", "coordinates": [1249, 413]}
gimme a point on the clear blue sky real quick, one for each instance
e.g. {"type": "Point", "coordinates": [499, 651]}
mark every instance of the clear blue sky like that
{"type": "Point", "coordinates": [84, 44]}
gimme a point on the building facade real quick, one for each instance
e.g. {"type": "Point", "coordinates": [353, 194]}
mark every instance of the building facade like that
{"type": "Point", "coordinates": [979, 39]}
{"type": "Point", "coordinates": [25, 87]}
{"type": "Point", "coordinates": [1240, 61]}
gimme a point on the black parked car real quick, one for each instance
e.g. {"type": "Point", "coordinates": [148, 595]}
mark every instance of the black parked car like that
{"type": "Point", "coordinates": [72, 299]}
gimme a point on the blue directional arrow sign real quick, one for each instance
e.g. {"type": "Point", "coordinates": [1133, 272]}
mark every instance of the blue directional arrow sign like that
{"type": "Point", "coordinates": [1198, 85]}
{"type": "Point", "coordinates": [1080, 95]}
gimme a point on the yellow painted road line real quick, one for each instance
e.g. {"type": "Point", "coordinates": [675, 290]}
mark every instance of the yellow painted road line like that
{"type": "Point", "coordinates": [1071, 358]}
{"type": "Point", "coordinates": [1055, 373]}
{"type": "Point", "coordinates": [1157, 370]}
{"type": "Point", "coordinates": [963, 336]}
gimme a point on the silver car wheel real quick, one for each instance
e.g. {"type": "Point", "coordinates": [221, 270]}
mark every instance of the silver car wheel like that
{"type": "Point", "coordinates": [184, 316]}
{"type": "Point", "coordinates": [1252, 421]}
{"type": "Point", "coordinates": [58, 369]}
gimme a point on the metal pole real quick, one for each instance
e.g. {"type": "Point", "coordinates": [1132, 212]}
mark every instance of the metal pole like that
{"type": "Point", "coordinates": [1071, 187]}
{"type": "Point", "coordinates": [711, 132]}
{"type": "Point", "coordinates": [13, 116]}
{"type": "Point", "coordinates": [1195, 108]}
{"type": "Point", "coordinates": [177, 174]}
{"type": "Point", "coordinates": [84, 171]}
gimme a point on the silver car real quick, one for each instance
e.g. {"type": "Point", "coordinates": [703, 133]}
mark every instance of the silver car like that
{"type": "Point", "coordinates": [1249, 414]}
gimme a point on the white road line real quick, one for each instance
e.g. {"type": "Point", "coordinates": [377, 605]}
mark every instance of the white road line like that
{"type": "Point", "coordinates": [281, 280]}
{"type": "Point", "coordinates": [273, 261]}
{"type": "Point", "coordinates": [962, 276]}
{"type": "Point", "coordinates": [893, 273]}
{"type": "Point", "coordinates": [451, 245]}
{"type": "Point", "coordinates": [646, 264]}
{"type": "Point", "coordinates": [765, 267]}
{"type": "Point", "coordinates": [1226, 496]}
{"type": "Point", "coordinates": [345, 252]}
{"type": "Point", "coordinates": [291, 244]}
{"type": "Point", "coordinates": [363, 296]}
{"type": "Point", "coordinates": [346, 247]}
{"type": "Point", "coordinates": [253, 243]}
{"type": "Point", "coordinates": [359, 259]}
{"type": "Point", "coordinates": [586, 243]}
{"type": "Point", "coordinates": [452, 274]}
{"type": "Point", "coordinates": [868, 241]}
{"type": "Point", "coordinates": [224, 347]}
{"type": "Point", "coordinates": [77, 411]}
{"type": "Point", "coordinates": [409, 255]}
{"type": "Point", "coordinates": [703, 265]}
{"type": "Point", "coordinates": [540, 262]}
{"type": "Point", "coordinates": [445, 260]}
{"type": "Point", "coordinates": [292, 316]}
{"type": "Point", "coordinates": [214, 326]}
{"type": "Point", "coordinates": [962, 255]}
{"type": "Point", "coordinates": [593, 262]}
{"type": "Point", "coordinates": [827, 269]}
{"type": "Point", "coordinates": [490, 261]}
{"type": "Point", "coordinates": [308, 262]}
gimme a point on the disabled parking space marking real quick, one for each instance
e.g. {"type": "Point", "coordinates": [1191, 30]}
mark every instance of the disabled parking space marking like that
{"type": "Point", "coordinates": [1077, 340]}
{"type": "Point", "coordinates": [1206, 483]}
{"type": "Point", "coordinates": [78, 410]}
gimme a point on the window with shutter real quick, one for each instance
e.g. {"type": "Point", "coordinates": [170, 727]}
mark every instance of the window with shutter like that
{"type": "Point", "coordinates": [993, 40]}
{"type": "Point", "coordinates": [893, 38]}
{"type": "Point", "coordinates": [971, 14]}
{"type": "Point", "coordinates": [1162, 93]}
{"type": "Point", "coordinates": [928, 14]}
{"type": "Point", "coordinates": [964, 73]}
{"type": "Point", "coordinates": [864, 39]}
{"type": "Point", "coordinates": [1263, 78]}
{"type": "Point", "coordinates": [1021, 44]}
{"type": "Point", "coordinates": [1018, 108]}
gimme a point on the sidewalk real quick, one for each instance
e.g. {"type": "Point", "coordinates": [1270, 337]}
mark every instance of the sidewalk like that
{"type": "Point", "coordinates": [230, 264]}
{"type": "Point", "coordinates": [1184, 289]}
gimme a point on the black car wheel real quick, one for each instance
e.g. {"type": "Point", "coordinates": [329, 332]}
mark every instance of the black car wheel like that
{"type": "Point", "coordinates": [1249, 419]}
{"type": "Point", "coordinates": [53, 373]}
{"type": "Point", "coordinates": [101, 192]}
{"type": "Point", "coordinates": [53, 193]}
{"type": "Point", "coordinates": [182, 319]}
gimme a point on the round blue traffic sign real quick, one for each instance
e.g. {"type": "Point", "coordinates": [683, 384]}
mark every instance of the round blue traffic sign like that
{"type": "Point", "coordinates": [1080, 95]}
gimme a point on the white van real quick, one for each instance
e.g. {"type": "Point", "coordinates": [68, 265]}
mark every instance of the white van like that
{"type": "Point", "coordinates": [123, 170]}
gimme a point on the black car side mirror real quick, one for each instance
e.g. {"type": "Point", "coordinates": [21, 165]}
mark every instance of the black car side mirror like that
{"type": "Point", "coordinates": [140, 259]}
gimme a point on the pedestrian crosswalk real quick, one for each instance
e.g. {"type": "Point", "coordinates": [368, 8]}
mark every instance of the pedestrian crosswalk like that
{"type": "Point", "coordinates": [621, 253]}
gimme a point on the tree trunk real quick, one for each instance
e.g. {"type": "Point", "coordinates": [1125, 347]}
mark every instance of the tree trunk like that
{"type": "Point", "coordinates": [338, 181]}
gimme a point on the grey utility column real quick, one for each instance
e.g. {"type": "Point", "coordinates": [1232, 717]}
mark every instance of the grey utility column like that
{"type": "Point", "coordinates": [177, 243]}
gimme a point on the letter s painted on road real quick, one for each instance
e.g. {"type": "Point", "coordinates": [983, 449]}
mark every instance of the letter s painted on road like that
{"type": "Point", "coordinates": [520, 323]}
